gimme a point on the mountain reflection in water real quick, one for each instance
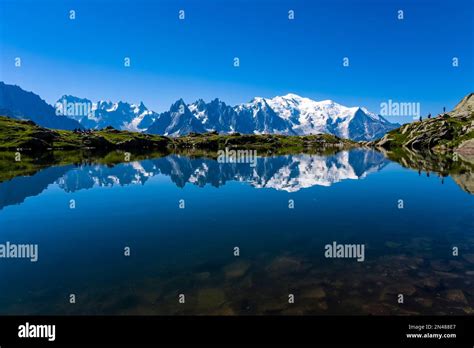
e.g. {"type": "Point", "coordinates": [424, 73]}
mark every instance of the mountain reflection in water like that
{"type": "Point", "coordinates": [289, 173]}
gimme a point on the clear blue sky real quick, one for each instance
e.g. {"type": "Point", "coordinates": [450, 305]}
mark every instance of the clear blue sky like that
{"type": "Point", "coordinates": [406, 61]}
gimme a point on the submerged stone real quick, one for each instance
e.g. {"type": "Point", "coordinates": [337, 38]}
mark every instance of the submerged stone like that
{"type": "Point", "coordinates": [456, 295]}
{"type": "Point", "coordinates": [440, 266]}
{"type": "Point", "coordinates": [315, 293]}
{"type": "Point", "coordinates": [246, 282]}
{"type": "Point", "coordinates": [430, 283]}
{"type": "Point", "coordinates": [274, 306]}
{"type": "Point", "coordinates": [391, 244]}
{"type": "Point", "coordinates": [323, 305]}
{"type": "Point", "coordinates": [405, 289]}
{"type": "Point", "coordinates": [210, 298]}
{"type": "Point", "coordinates": [468, 310]}
{"type": "Point", "coordinates": [425, 302]}
{"type": "Point", "coordinates": [236, 269]}
{"type": "Point", "coordinates": [378, 309]}
{"type": "Point", "coordinates": [284, 265]}
{"type": "Point", "coordinates": [226, 310]}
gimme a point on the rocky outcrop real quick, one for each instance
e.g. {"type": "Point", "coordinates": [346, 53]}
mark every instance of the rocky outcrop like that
{"type": "Point", "coordinates": [444, 133]}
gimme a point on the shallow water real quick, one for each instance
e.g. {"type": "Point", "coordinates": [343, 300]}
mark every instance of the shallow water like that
{"type": "Point", "coordinates": [349, 197]}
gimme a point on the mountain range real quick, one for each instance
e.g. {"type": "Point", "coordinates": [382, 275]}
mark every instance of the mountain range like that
{"type": "Point", "coordinates": [101, 114]}
{"type": "Point", "coordinates": [288, 115]}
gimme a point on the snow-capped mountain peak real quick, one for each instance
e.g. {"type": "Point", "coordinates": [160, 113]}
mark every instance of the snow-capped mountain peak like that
{"type": "Point", "coordinates": [103, 113]}
{"type": "Point", "coordinates": [287, 114]}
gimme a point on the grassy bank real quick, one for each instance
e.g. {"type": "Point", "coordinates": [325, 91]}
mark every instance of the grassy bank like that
{"type": "Point", "coordinates": [27, 136]}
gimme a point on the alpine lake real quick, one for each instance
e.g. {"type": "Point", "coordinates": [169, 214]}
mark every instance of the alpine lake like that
{"type": "Point", "coordinates": [171, 234]}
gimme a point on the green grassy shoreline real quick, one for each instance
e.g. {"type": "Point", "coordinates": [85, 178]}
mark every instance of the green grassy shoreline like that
{"type": "Point", "coordinates": [27, 136]}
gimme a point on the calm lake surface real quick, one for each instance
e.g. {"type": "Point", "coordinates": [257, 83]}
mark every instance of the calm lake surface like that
{"type": "Point", "coordinates": [351, 197]}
